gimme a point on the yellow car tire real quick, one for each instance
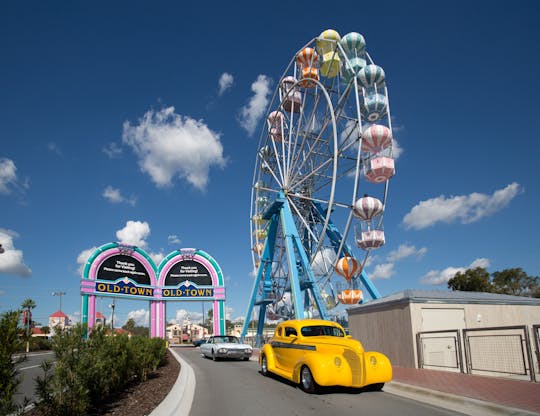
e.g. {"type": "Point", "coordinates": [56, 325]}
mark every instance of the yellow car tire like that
{"type": "Point", "coordinates": [264, 366]}
{"type": "Point", "coordinates": [307, 382]}
{"type": "Point", "coordinates": [374, 387]}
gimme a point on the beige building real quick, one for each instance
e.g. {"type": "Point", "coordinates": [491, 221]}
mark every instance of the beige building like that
{"type": "Point", "coordinates": [471, 332]}
{"type": "Point", "coordinates": [58, 319]}
{"type": "Point", "coordinates": [185, 332]}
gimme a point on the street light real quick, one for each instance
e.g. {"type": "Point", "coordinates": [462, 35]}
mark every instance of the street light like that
{"type": "Point", "coordinates": [112, 306]}
{"type": "Point", "coordinates": [59, 294]}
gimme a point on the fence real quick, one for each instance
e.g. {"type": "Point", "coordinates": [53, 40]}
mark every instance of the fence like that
{"type": "Point", "coordinates": [503, 351]}
{"type": "Point", "coordinates": [440, 349]}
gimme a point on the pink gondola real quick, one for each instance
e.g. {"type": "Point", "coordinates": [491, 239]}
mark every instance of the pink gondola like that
{"type": "Point", "coordinates": [275, 125]}
{"type": "Point", "coordinates": [292, 97]}
{"type": "Point", "coordinates": [376, 138]}
{"type": "Point", "coordinates": [379, 169]}
{"type": "Point", "coordinates": [370, 239]}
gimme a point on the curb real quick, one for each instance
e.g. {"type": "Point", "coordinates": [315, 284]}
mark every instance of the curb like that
{"type": "Point", "coordinates": [462, 404]}
{"type": "Point", "coordinates": [178, 401]}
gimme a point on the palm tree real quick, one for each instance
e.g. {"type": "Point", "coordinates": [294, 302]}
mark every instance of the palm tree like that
{"type": "Point", "coordinates": [28, 305]}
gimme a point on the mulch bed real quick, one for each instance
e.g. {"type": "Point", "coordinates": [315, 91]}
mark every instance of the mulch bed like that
{"type": "Point", "coordinates": [139, 399]}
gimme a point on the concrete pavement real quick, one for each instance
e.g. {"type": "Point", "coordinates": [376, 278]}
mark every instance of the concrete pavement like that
{"type": "Point", "coordinates": [468, 394]}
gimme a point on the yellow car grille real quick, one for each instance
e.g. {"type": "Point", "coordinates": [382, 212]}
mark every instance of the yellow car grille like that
{"type": "Point", "coordinates": [353, 359]}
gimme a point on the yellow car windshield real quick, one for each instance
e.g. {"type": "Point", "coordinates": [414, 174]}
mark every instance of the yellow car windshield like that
{"type": "Point", "coordinates": [322, 330]}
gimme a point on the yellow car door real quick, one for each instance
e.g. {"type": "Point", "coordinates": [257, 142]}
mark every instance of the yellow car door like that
{"type": "Point", "coordinates": [290, 351]}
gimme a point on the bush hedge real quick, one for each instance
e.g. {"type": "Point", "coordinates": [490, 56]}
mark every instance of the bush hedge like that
{"type": "Point", "coordinates": [10, 343]}
{"type": "Point", "coordinates": [88, 371]}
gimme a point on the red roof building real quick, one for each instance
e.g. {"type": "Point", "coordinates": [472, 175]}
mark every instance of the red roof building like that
{"type": "Point", "coordinates": [58, 314]}
{"type": "Point", "coordinates": [58, 319]}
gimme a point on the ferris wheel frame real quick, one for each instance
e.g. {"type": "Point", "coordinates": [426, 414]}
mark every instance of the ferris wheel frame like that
{"type": "Point", "coordinates": [281, 217]}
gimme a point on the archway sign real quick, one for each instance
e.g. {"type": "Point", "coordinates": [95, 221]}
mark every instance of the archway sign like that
{"type": "Point", "coordinates": [128, 272]}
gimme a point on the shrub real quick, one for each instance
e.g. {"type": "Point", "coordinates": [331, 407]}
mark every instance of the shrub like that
{"type": "Point", "coordinates": [10, 343]}
{"type": "Point", "coordinates": [89, 371]}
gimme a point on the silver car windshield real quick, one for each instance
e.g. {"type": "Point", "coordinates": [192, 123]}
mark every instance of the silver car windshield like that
{"type": "Point", "coordinates": [228, 339]}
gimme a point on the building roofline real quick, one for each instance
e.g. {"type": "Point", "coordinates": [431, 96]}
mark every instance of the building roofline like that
{"type": "Point", "coordinates": [409, 296]}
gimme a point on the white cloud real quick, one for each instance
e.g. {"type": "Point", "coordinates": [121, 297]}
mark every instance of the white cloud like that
{"type": "Point", "coordinates": [463, 208]}
{"type": "Point", "coordinates": [115, 196]}
{"type": "Point", "coordinates": [8, 175]}
{"type": "Point", "coordinates": [251, 114]}
{"type": "Point", "coordinates": [173, 239]}
{"type": "Point", "coordinates": [324, 262]}
{"type": "Point", "coordinates": [226, 81]}
{"type": "Point", "coordinates": [183, 314]}
{"type": "Point", "coordinates": [228, 312]}
{"type": "Point", "coordinates": [157, 257]}
{"type": "Point", "coordinates": [382, 271]}
{"type": "Point", "coordinates": [83, 257]}
{"type": "Point", "coordinates": [397, 150]}
{"type": "Point", "coordinates": [141, 317]}
{"type": "Point", "coordinates": [134, 233]}
{"type": "Point", "coordinates": [112, 150]}
{"type": "Point", "coordinates": [169, 145]}
{"type": "Point", "coordinates": [405, 250]}
{"type": "Point", "coordinates": [437, 277]}
{"type": "Point", "coordinates": [11, 260]}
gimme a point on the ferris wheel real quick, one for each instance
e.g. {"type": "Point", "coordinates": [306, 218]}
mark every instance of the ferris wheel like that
{"type": "Point", "coordinates": [320, 182]}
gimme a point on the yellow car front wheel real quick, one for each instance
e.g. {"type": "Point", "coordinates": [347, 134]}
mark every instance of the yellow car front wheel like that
{"type": "Point", "coordinates": [307, 382]}
{"type": "Point", "coordinates": [264, 366]}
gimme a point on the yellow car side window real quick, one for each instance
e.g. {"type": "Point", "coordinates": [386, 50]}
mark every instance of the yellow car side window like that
{"type": "Point", "coordinates": [290, 331]}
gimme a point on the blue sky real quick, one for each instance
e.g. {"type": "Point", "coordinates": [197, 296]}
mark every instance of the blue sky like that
{"type": "Point", "coordinates": [90, 95]}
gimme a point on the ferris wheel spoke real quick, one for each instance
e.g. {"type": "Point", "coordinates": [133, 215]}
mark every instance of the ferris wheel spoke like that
{"type": "Point", "coordinates": [277, 160]}
{"type": "Point", "coordinates": [302, 134]}
{"type": "Point", "coordinates": [310, 160]}
{"type": "Point", "coordinates": [272, 172]}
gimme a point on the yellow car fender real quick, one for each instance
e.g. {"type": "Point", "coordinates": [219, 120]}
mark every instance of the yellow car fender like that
{"type": "Point", "coordinates": [378, 368]}
{"type": "Point", "coordinates": [316, 364]}
{"type": "Point", "coordinates": [268, 352]}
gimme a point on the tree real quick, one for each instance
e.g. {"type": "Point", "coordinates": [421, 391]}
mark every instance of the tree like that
{"type": "Point", "coordinates": [129, 325]}
{"type": "Point", "coordinates": [471, 280]}
{"type": "Point", "coordinates": [515, 282]}
{"type": "Point", "coordinates": [28, 305]}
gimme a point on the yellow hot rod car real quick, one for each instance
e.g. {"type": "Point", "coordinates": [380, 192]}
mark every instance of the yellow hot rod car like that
{"type": "Point", "coordinates": [315, 353]}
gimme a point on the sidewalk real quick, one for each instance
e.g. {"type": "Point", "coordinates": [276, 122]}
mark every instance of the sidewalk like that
{"type": "Point", "coordinates": [508, 393]}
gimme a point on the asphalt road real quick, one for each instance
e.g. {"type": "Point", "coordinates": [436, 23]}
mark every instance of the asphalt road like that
{"type": "Point", "coordinates": [236, 388]}
{"type": "Point", "coordinates": [29, 370]}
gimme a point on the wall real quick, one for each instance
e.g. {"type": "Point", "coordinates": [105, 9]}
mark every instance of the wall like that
{"type": "Point", "coordinates": [387, 330]}
{"type": "Point", "coordinates": [391, 328]}
{"type": "Point", "coordinates": [481, 316]}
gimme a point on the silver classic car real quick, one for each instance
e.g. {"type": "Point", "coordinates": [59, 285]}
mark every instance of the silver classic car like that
{"type": "Point", "coordinates": [225, 346]}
